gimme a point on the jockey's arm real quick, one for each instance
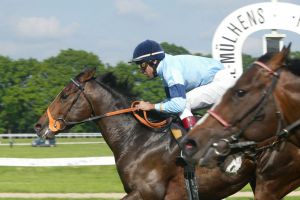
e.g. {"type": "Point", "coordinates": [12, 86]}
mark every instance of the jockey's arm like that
{"type": "Point", "coordinates": [173, 105]}
{"type": "Point", "coordinates": [176, 101]}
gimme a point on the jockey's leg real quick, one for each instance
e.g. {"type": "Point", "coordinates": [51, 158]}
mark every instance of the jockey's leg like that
{"type": "Point", "coordinates": [205, 96]}
{"type": "Point", "coordinates": [187, 119]}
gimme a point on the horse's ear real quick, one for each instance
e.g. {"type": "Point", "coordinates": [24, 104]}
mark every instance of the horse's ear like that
{"type": "Point", "coordinates": [86, 74]}
{"type": "Point", "coordinates": [280, 58]}
{"type": "Point", "coordinates": [285, 51]}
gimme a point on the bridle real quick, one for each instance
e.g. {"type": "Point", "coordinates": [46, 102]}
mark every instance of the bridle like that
{"type": "Point", "coordinates": [233, 142]}
{"type": "Point", "coordinates": [60, 123]}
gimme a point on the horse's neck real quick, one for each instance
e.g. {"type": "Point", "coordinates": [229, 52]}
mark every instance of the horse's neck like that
{"type": "Point", "coordinates": [124, 134]}
{"type": "Point", "coordinates": [288, 96]}
{"type": "Point", "coordinates": [118, 129]}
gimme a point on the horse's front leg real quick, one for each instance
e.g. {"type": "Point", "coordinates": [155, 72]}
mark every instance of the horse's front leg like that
{"type": "Point", "coordinates": [134, 195]}
{"type": "Point", "coordinates": [253, 184]}
{"type": "Point", "coordinates": [265, 196]}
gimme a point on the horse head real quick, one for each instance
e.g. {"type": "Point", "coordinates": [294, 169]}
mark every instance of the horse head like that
{"type": "Point", "coordinates": [246, 114]}
{"type": "Point", "coordinates": [68, 106]}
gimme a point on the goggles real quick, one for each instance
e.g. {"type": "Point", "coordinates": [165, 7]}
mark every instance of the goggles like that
{"type": "Point", "coordinates": [143, 66]}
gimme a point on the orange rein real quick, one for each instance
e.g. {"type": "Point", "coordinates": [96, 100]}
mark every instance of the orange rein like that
{"type": "Point", "coordinates": [144, 120]}
{"type": "Point", "coordinates": [54, 125]}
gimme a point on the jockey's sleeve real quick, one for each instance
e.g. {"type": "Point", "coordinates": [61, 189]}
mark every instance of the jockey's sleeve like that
{"type": "Point", "coordinates": [176, 99]}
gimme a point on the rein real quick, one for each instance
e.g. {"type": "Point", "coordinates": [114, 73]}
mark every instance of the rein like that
{"type": "Point", "coordinates": [283, 134]}
{"type": "Point", "coordinates": [144, 120]}
{"type": "Point", "coordinates": [61, 123]}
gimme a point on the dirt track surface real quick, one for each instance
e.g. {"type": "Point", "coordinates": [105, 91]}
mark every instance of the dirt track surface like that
{"type": "Point", "coordinates": [97, 195]}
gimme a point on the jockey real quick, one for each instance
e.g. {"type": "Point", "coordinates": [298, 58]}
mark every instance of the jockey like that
{"type": "Point", "coordinates": [190, 82]}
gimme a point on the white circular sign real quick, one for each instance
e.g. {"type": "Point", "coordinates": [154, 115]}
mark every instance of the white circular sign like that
{"type": "Point", "coordinates": [236, 27]}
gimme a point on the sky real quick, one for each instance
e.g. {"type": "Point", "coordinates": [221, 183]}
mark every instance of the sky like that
{"type": "Point", "coordinates": [111, 29]}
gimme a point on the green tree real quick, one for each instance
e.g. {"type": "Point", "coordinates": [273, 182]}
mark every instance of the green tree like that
{"type": "Point", "coordinates": [5, 82]}
{"type": "Point", "coordinates": [295, 54]}
{"type": "Point", "coordinates": [17, 104]}
{"type": "Point", "coordinates": [141, 86]}
{"type": "Point", "coordinates": [173, 49]}
{"type": "Point", "coordinates": [247, 61]}
{"type": "Point", "coordinates": [27, 87]}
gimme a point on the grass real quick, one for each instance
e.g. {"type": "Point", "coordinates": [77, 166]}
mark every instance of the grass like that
{"type": "Point", "coordinates": [87, 179]}
{"type": "Point", "coordinates": [60, 151]}
{"type": "Point", "coordinates": [83, 179]}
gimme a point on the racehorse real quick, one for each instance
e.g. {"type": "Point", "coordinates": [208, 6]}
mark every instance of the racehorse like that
{"type": "Point", "coordinates": [258, 117]}
{"type": "Point", "coordinates": [145, 158]}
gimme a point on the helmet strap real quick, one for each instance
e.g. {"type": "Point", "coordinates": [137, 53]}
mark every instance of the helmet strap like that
{"type": "Point", "coordinates": [154, 65]}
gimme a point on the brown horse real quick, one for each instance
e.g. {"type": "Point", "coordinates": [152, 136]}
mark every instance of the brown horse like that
{"type": "Point", "coordinates": [258, 117]}
{"type": "Point", "coordinates": [145, 158]}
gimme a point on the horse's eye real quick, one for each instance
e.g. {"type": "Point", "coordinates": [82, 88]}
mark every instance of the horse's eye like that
{"type": "Point", "coordinates": [240, 92]}
{"type": "Point", "coordinates": [64, 96]}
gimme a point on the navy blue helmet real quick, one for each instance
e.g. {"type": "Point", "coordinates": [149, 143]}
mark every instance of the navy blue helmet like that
{"type": "Point", "coordinates": [146, 51]}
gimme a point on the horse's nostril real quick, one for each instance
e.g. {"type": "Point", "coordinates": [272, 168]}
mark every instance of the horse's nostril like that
{"type": "Point", "coordinates": [190, 144]}
{"type": "Point", "coordinates": [37, 127]}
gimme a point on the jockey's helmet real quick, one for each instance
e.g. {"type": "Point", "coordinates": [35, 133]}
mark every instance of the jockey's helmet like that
{"type": "Point", "coordinates": [147, 50]}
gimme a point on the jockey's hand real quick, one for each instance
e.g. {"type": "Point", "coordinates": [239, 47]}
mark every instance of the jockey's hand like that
{"type": "Point", "coordinates": [144, 105]}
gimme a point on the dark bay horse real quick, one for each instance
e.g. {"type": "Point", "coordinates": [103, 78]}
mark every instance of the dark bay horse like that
{"type": "Point", "coordinates": [258, 117]}
{"type": "Point", "coordinates": [145, 158]}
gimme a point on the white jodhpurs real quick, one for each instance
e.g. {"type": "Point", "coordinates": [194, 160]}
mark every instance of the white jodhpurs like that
{"type": "Point", "coordinates": [209, 94]}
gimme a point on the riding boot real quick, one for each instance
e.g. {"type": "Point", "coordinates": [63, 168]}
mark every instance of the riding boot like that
{"type": "Point", "coordinates": [189, 122]}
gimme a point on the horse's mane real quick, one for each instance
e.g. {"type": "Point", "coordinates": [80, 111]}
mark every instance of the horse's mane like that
{"type": "Point", "coordinates": [122, 87]}
{"type": "Point", "coordinates": [123, 92]}
{"type": "Point", "coordinates": [292, 64]}
{"type": "Point", "coordinates": [266, 57]}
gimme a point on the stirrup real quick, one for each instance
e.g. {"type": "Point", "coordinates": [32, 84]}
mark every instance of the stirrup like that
{"type": "Point", "coordinates": [191, 182]}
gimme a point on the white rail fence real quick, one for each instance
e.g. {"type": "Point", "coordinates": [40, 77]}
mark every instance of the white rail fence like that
{"type": "Point", "coordinates": [53, 162]}
{"type": "Point", "coordinates": [57, 162]}
{"type": "Point", "coordinates": [61, 135]}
